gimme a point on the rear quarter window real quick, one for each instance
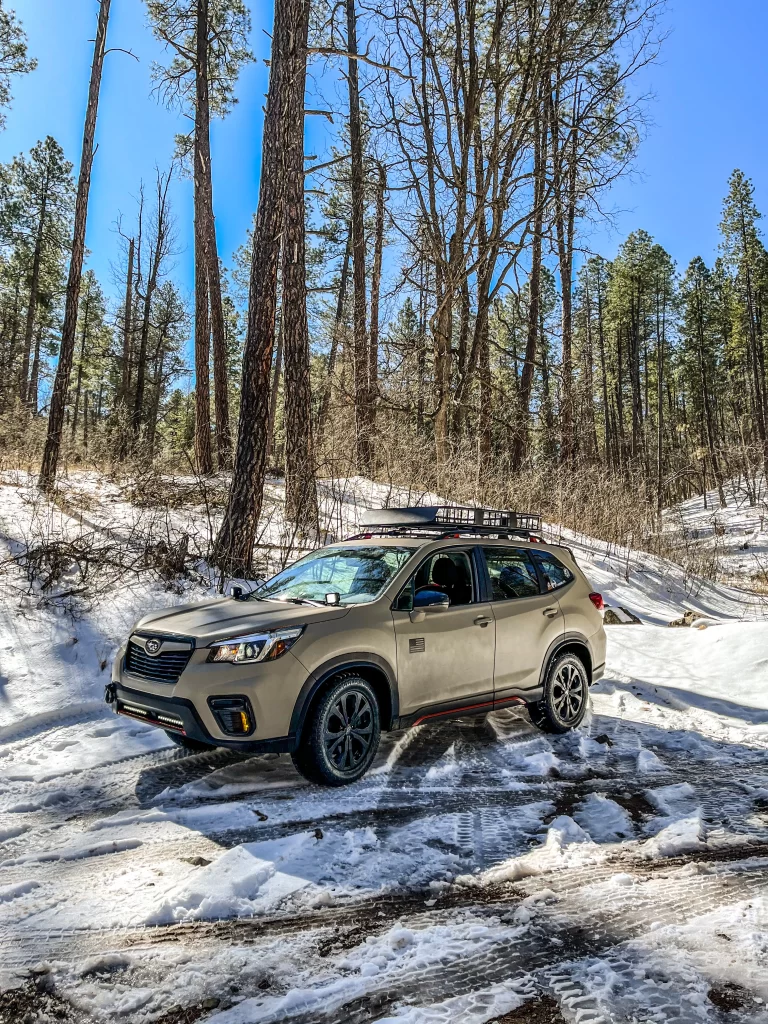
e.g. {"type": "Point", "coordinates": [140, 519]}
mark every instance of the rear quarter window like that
{"type": "Point", "coordinates": [553, 572]}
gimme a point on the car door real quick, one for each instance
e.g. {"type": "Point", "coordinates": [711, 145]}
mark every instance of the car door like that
{"type": "Point", "coordinates": [527, 619]}
{"type": "Point", "coordinates": [445, 655]}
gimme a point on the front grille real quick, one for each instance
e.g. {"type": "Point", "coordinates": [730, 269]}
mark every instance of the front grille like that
{"type": "Point", "coordinates": [165, 667]}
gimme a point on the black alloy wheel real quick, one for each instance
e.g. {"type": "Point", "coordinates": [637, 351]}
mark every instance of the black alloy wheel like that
{"type": "Point", "coordinates": [348, 730]}
{"type": "Point", "coordinates": [342, 736]}
{"type": "Point", "coordinates": [566, 696]}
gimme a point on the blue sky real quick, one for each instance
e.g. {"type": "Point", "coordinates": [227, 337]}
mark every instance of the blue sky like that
{"type": "Point", "coordinates": [708, 116]}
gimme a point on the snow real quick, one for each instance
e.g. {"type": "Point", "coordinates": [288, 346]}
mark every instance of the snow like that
{"type": "Point", "coordinates": [121, 857]}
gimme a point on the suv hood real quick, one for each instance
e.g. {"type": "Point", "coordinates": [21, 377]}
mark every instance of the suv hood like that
{"type": "Point", "coordinates": [219, 618]}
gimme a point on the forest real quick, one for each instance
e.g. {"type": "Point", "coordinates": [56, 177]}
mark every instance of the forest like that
{"type": "Point", "coordinates": [418, 304]}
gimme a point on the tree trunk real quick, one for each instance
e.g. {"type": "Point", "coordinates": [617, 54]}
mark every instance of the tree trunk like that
{"type": "Point", "coordinates": [34, 377]}
{"type": "Point", "coordinates": [233, 549]}
{"type": "Point", "coordinates": [125, 380]}
{"type": "Point", "coordinates": [85, 422]}
{"type": "Point", "coordinates": [300, 489]}
{"type": "Point", "coordinates": [563, 188]}
{"type": "Point", "coordinates": [275, 389]}
{"type": "Point", "coordinates": [709, 430]}
{"type": "Point", "coordinates": [157, 252]}
{"type": "Point", "coordinates": [373, 348]}
{"type": "Point", "coordinates": [660, 332]}
{"type": "Point", "coordinates": [333, 353]}
{"type": "Point", "coordinates": [6, 381]}
{"type": "Point", "coordinates": [80, 361]}
{"type": "Point", "coordinates": [485, 410]}
{"type": "Point", "coordinates": [520, 449]}
{"type": "Point", "coordinates": [210, 254]}
{"type": "Point", "coordinates": [34, 287]}
{"type": "Point", "coordinates": [443, 320]}
{"type": "Point", "coordinates": [203, 456]}
{"type": "Point", "coordinates": [363, 440]}
{"type": "Point", "coordinates": [61, 382]}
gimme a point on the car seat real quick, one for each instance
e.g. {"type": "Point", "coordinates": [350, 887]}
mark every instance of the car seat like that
{"type": "Point", "coordinates": [445, 575]}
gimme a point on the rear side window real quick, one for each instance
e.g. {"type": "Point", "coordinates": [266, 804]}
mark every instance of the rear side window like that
{"type": "Point", "coordinates": [512, 573]}
{"type": "Point", "coordinates": [554, 573]}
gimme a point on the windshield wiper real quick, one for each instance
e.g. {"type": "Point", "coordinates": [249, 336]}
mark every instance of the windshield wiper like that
{"type": "Point", "coordinates": [299, 600]}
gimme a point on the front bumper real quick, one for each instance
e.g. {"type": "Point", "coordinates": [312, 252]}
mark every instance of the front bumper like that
{"type": "Point", "coordinates": [178, 715]}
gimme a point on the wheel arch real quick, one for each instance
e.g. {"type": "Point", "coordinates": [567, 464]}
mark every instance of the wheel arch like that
{"type": "Point", "coordinates": [573, 643]}
{"type": "Point", "coordinates": [372, 668]}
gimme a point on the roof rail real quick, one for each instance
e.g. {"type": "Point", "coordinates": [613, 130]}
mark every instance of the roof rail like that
{"type": "Point", "coordinates": [447, 519]}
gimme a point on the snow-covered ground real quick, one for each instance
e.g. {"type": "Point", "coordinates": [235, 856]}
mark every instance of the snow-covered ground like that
{"type": "Point", "coordinates": [482, 871]}
{"type": "Point", "coordinates": [732, 539]}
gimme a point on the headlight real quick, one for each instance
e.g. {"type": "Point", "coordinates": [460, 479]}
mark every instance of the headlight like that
{"type": "Point", "coordinates": [256, 646]}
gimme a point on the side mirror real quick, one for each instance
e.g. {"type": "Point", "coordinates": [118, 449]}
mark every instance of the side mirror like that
{"type": "Point", "coordinates": [431, 599]}
{"type": "Point", "coordinates": [428, 601]}
{"type": "Point", "coordinates": [236, 592]}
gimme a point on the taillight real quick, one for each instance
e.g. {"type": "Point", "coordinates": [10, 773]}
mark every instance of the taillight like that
{"type": "Point", "coordinates": [534, 540]}
{"type": "Point", "coordinates": [597, 601]}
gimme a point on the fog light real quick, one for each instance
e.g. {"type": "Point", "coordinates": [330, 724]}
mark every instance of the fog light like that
{"type": "Point", "coordinates": [233, 714]}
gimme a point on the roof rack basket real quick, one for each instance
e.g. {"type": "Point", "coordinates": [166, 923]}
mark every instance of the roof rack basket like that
{"type": "Point", "coordinates": [450, 519]}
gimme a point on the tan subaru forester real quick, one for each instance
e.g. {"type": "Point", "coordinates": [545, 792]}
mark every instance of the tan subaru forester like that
{"type": "Point", "coordinates": [431, 613]}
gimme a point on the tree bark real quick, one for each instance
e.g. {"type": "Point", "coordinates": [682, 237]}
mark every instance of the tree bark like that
{"type": "Point", "coordinates": [157, 252]}
{"type": "Point", "coordinates": [125, 380]}
{"type": "Point", "coordinates": [373, 343]}
{"type": "Point", "coordinates": [34, 377]}
{"type": "Point", "coordinates": [210, 253]}
{"type": "Point", "coordinates": [357, 190]}
{"type": "Point", "coordinates": [64, 369]}
{"type": "Point", "coordinates": [233, 548]}
{"type": "Point", "coordinates": [520, 448]}
{"type": "Point", "coordinates": [275, 389]}
{"type": "Point", "coordinates": [80, 361]}
{"type": "Point", "coordinates": [341, 299]}
{"type": "Point", "coordinates": [34, 287]}
{"type": "Point", "coordinates": [203, 454]}
{"type": "Point", "coordinates": [300, 489]}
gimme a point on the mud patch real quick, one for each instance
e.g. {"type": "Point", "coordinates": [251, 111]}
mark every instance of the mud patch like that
{"type": "Point", "coordinates": [535, 1011]}
{"type": "Point", "coordinates": [729, 997]}
{"type": "Point", "coordinates": [33, 1003]}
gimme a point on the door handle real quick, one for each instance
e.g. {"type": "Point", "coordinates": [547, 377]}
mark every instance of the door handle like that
{"type": "Point", "coordinates": [551, 612]}
{"type": "Point", "coordinates": [483, 620]}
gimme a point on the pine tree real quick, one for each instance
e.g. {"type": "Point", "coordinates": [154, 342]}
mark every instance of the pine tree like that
{"type": "Point", "coordinates": [39, 211]}
{"type": "Point", "coordinates": [744, 255]}
{"type": "Point", "coordinates": [13, 56]}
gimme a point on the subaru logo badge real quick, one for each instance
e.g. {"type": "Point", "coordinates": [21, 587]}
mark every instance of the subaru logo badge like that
{"type": "Point", "coordinates": [152, 646]}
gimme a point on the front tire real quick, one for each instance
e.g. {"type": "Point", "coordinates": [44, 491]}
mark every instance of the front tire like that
{"type": "Point", "coordinates": [566, 696]}
{"type": "Point", "coordinates": [193, 746]}
{"type": "Point", "coordinates": [341, 735]}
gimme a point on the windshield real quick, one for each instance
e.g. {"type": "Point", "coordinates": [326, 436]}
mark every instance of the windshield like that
{"type": "Point", "coordinates": [357, 575]}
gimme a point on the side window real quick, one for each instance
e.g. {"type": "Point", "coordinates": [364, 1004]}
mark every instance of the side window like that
{"type": "Point", "coordinates": [554, 572]}
{"type": "Point", "coordinates": [445, 572]}
{"type": "Point", "coordinates": [512, 573]}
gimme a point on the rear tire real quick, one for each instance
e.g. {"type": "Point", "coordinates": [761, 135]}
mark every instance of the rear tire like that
{"type": "Point", "coordinates": [341, 735]}
{"type": "Point", "coordinates": [187, 743]}
{"type": "Point", "coordinates": [566, 696]}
